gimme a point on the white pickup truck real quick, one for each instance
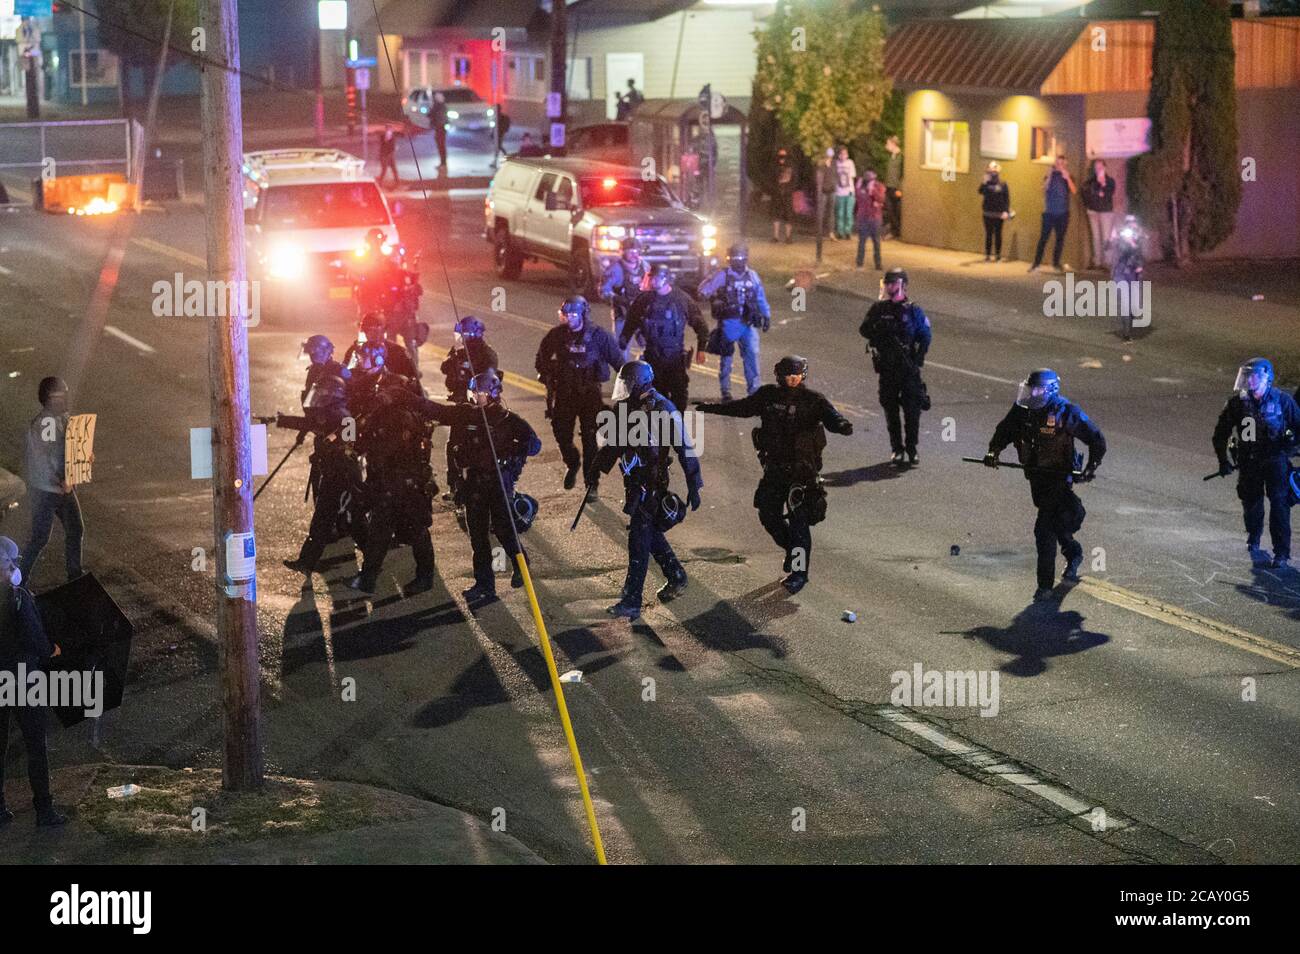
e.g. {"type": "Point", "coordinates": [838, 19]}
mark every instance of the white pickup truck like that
{"type": "Point", "coordinates": [575, 213]}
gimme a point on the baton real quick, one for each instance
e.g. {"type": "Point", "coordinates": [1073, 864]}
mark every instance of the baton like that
{"type": "Point", "coordinates": [302, 436]}
{"type": "Point", "coordinates": [1036, 470]}
{"type": "Point", "coordinates": [581, 507]}
{"type": "Point", "coordinates": [1213, 475]}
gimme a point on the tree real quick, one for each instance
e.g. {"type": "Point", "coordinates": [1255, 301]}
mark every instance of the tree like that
{"type": "Point", "coordinates": [133, 31]}
{"type": "Point", "coordinates": [821, 71]}
{"type": "Point", "coordinates": [1190, 181]}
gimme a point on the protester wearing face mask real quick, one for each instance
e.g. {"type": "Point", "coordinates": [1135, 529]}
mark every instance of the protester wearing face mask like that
{"type": "Point", "coordinates": [997, 209]}
{"type": "Point", "coordinates": [23, 643]}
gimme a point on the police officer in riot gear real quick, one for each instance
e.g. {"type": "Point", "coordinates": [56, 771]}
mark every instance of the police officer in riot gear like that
{"type": "Point", "coordinates": [740, 306]}
{"type": "Point", "coordinates": [623, 280]}
{"type": "Point", "coordinates": [399, 485]}
{"type": "Point", "coordinates": [662, 314]}
{"type": "Point", "coordinates": [574, 360]}
{"type": "Point", "coordinates": [334, 479]}
{"type": "Point", "coordinates": [652, 508]}
{"type": "Point", "coordinates": [1260, 423]}
{"type": "Point", "coordinates": [898, 337]}
{"type": "Point", "coordinates": [469, 356]}
{"type": "Point", "coordinates": [383, 284]}
{"type": "Point", "coordinates": [1043, 426]}
{"type": "Point", "coordinates": [396, 359]}
{"type": "Point", "coordinates": [492, 445]}
{"type": "Point", "coordinates": [790, 438]}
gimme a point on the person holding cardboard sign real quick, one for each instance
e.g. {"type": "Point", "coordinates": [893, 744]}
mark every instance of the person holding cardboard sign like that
{"type": "Point", "coordinates": [51, 489]}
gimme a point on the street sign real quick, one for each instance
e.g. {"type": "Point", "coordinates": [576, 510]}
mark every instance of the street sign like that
{"type": "Point", "coordinates": [34, 8]}
{"type": "Point", "coordinates": [557, 135]}
{"type": "Point", "coordinates": [361, 78]}
{"type": "Point", "coordinates": [553, 105]}
{"type": "Point", "coordinates": [368, 62]}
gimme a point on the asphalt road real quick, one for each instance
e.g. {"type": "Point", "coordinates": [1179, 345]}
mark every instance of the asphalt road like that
{"type": "Point", "coordinates": [736, 724]}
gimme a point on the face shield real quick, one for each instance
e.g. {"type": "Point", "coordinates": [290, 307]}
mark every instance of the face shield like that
{"type": "Point", "coordinates": [621, 390]}
{"type": "Point", "coordinates": [458, 339]}
{"type": "Point", "coordinates": [574, 320]}
{"type": "Point", "coordinates": [1032, 396]}
{"type": "Point", "coordinates": [891, 290]}
{"type": "Point", "coordinates": [1251, 379]}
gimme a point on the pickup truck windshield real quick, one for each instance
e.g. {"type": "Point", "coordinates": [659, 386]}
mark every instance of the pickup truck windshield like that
{"type": "Point", "coordinates": [603, 192]}
{"type": "Point", "coordinates": [327, 205]}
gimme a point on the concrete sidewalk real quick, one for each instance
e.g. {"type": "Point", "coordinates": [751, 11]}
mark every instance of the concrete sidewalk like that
{"type": "Point", "coordinates": [1204, 315]}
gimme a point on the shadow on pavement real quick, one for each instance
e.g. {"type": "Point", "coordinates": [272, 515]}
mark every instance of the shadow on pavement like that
{"type": "Point", "coordinates": [1038, 633]}
{"type": "Point", "coordinates": [858, 475]}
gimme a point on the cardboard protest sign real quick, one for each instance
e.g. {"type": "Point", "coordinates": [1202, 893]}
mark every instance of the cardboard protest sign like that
{"type": "Point", "coordinates": [79, 448]}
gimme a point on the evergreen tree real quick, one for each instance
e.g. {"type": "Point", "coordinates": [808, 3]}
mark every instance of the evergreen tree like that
{"type": "Point", "coordinates": [1190, 181]}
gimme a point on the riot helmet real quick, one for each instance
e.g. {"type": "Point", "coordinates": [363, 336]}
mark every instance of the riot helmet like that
{"type": "Point", "coordinates": [894, 284]}
{"type": "Point", "coordinates": [1038, 389]}
{"type": "Point", "coordinates": [525, 511]}
{"type": "Point", "coordinates": [661, 276]}
{"type": "Point", "coordinates": [792, 365]}
{"type": "Point", "coordinates": [631, 247]}
{"type": "Point", "coordinates": [669, 512]}
{"type": "Point", "coordinates": [487, 383]}
{"type": "Point", "coordinates": [1254, 377]}
{"type": "Point", "coordinates": [574, 311]}
{"type": "Point", "coordinates": [318, 349]}
{"type": "Point", "coordinates": [371, 354]}
{"type": "Point", "coordinates": [467, 327]}
{"type": "Point", "coordinates": [634, 379]}
{"type": "Point", "coordinates": [373, 327]}
{"type": "Point", "coordinates": [738, 257]}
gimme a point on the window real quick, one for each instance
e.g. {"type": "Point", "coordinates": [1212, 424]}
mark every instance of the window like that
{"type": "Point", "coordinates": [579, 77]}
{"type": "Point", "coordinates": [544, 187]}
{"type": "Point", "coordinates": [101, 68]}
{"type": "Point", "coordinates": [1044, 145]}
{"type": "Point", "coordinates": [539, 69]}
{"type": "Point", "coordinates": [324, 206]}
{"type": "Point", "coordinates": [606, 192]}
{"type": "Point", "coordinates": [946, 145]}
{"type": "Point", "coordinates": [564, 192]}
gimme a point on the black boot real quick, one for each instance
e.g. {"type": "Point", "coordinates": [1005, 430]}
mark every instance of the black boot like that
{"type": "Point", "coordinates": [674, 588]}
{"type": "Point", "coordinates": [364, 583]}
{"type": "Point", "coordinates": [516, 578]}
{"type": "Point", "coordinates": [1072, 567]}
{"type": "Point", "coordinates": [623, 610]}
{"type": "Point", "coordinates": [897, 459]}
{"type": "Point", "coordinates": [571, 477]}
{"type": "Point", "coordinates": [422, 583]}
{"type": "Point", "coordinates": [47, 817]}
{"type": "Point", "coordinates": [795, 582]}
{"type": "Point", "coordinates": [480, 594]}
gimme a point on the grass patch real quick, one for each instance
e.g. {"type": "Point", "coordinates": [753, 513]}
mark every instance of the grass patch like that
{"type": "Point", "coordinates": [161, 815]}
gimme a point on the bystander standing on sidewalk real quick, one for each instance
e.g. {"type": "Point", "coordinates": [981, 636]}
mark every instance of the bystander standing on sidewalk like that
{"type": "Point", "coordinates": [867, 215]}
{"type": "Point", "coordinates": [388, 156]}
{"type": "Point", "coordinates": [894, 188]}
{"type": "Point", "coordinates": [996, 208]}
{"type": "Point", "coordinates": [845, 175]}
{"type": "Point", "coordinates": [1057, 189]}
{"type": "Point", "coordinates": [23, 643]}
{"type": "Point", "coordinates": [1099, 199]}
{"type": "Point", "coordinates": [825, 185]}
{"type": "Point", "coordinates": [438, 122]}
{"type": "Point", "coordinates": [48, 489]}
{"type": "Point", "coordinates": [783, 198]}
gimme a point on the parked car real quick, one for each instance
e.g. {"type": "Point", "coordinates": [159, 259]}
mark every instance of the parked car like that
{"type": "Point", "coordinates": [308, 212]}
{"type": "Point", "coordinates": [466, 112]}
{"type": "Point", "coordinates": [575, 213]}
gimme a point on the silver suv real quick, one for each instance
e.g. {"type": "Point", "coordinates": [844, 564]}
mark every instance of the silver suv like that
{"type": "Point", "coordinates": [575, 213]}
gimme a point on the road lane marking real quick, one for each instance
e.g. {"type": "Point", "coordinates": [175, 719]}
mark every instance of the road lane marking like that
{"type": "Point", "coordinates": [133, 342]}
{"type": "Point", "coordinates": [5, 271]}
{"type": "Point", "coordinates": [973, 374]}
{"type": "Point", "coordinates": [162, 248]}
{"type": "Point", "coordinates": [519, 381]}
{"type": "Point", "coordinates": [988, 762]}
{"type": "Point", "coordinates": [1191, 622]}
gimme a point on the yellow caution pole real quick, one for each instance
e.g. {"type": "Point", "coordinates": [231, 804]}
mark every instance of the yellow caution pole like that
{"type": "Point", "coordinates": [564, 709]}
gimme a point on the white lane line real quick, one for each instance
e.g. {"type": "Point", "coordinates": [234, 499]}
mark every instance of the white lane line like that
{"type": "Point", "coordinates": [991, 763]}
{"type": "Point", "coordinates": [133, 342]}
{"type": "Point", "coordinates": [5, 271]}
{"type": "Point", "coordinates": [973, 374]}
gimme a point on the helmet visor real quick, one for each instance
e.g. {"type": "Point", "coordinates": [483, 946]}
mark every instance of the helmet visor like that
{"type": "Point", "coordinates": [622, 391]}
{"type": "Point", "coordinates": [1032, 396]}
{"type": "Point", "coordinates": [1251, 378]}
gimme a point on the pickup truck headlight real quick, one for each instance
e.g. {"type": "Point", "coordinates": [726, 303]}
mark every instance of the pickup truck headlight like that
{"type": "Point", "coordinates": [453, 114]}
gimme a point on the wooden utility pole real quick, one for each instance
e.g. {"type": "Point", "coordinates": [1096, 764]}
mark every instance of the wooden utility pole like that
{"type": "Point", "coordinates": [232, 483]}
{"type": "Point", "coordinates": [560, 58]}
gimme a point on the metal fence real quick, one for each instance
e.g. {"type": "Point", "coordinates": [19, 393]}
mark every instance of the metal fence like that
{"type": "Point", "coordinates": [69, 147]}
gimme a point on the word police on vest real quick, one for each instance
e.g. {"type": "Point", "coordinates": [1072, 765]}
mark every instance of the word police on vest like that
{"type": "Point", "coordinates": [77, 907]}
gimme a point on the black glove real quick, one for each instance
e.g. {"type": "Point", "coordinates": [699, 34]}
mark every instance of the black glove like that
{"type": "Point", "coordinates": [767, 323]}
{"type": "Point", "coordinates": [845, 428]}
{"type": "Point", "coordinates": [991, 459]}
{"type": "Point", "coordinates": [693, 498]}
{"type": "Point", "coordinates": [1225, 467]}
{"type": "Point", "coordinates": [1089, 472]}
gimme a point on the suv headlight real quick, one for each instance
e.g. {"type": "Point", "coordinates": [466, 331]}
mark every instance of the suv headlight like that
{"type": "Point", "coordinates": [287, 262]}
{"type": "Point", "coordinates": [453, 114]}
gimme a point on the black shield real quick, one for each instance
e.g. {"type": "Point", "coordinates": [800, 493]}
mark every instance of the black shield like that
{"type": "Point", "coordinates": [92, 633]}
